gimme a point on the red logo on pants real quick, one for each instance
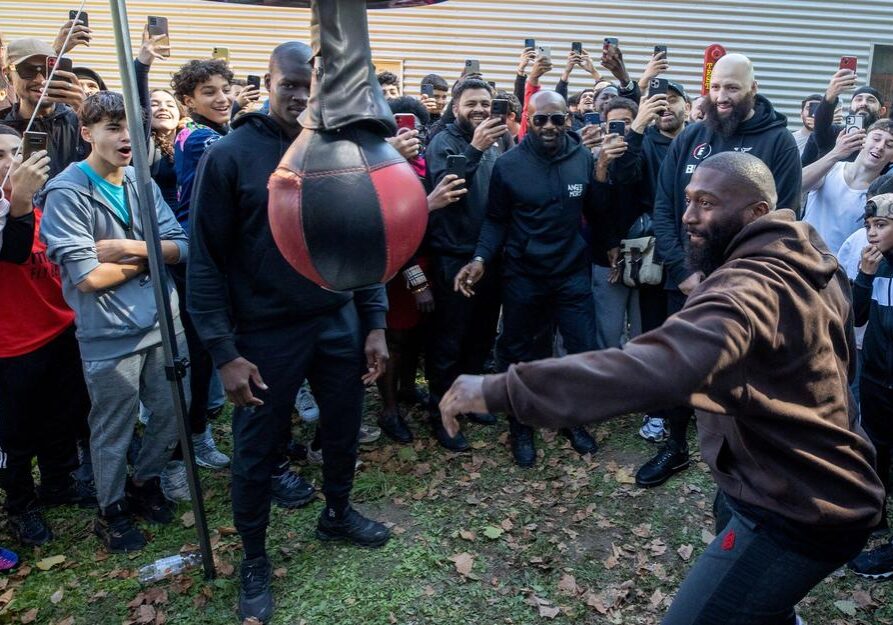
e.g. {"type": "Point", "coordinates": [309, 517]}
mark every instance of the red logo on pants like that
{"type": "Point", "coordinates": [728, 542]}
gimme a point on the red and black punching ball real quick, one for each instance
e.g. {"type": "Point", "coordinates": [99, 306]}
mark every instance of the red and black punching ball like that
{"type": "Point", "coordinates": [346, 210]}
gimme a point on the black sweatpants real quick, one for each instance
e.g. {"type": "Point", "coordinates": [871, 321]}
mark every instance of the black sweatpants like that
{"type": "Point", "coordinates": [43, 411]}
{"type": "Point", "coordinates": [328, 351]}
{"type": "Point", "coordinates": [462, 329]}
{"type": "Point", "coordinates": [876, 402]}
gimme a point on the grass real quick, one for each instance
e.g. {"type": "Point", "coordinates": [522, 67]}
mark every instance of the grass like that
{"type": "Point", "coordinates": [570, 541]}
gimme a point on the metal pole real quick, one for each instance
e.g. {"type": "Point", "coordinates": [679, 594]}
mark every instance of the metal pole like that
{"type": "Point", "coordinates": [175, 366]}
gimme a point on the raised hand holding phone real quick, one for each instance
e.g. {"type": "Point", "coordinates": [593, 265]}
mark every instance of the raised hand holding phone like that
{"type": "Point", "coordinates": [843, 79]}
{"type": "Point", "coordinates": [80, 33]}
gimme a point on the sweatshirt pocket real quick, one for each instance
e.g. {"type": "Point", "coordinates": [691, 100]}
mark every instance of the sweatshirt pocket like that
{"type": "Point", "coordinates": [129, 307]}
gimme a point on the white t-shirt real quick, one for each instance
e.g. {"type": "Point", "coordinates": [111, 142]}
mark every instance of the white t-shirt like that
{"type": "Point", "coordinates": [849, 256]}
{"type": "Point", "coordinates": [801, 137]}
{"type": "Point", "coordinates": [834, 209]}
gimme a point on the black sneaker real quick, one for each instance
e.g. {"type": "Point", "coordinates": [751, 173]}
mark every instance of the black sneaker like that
{"type": "Point", "coordinates": [255, 596]}
{"type": "Point", "coordinates": [29, 527]}
{"type": "Point", "coordinates": [394, 427]}
{"type": "Point", "coordinates": [296, 451]}
{"type": "Point", "coordinates": [148, 501]}
{"type": "Point", "coordinates": [482, 418]}
{"type": "Point", "coordinates": [875, 564]}
{"type": "Point", "coordinates": [521, 438]}
{"type": "Point", "coordinates": [352, 527]}
{"type": "Point", "coordinates": [671, 459]}
{"type": "Point", "coordinates": [580, 439]}
{"type": "Point", "coordinates": [455, 443]}
{"type": "Point", "coordinates": [116, 530]}
{"type": "Point", "coordinates": [75, 493]}
{"type": "Point", "coordinates": [290, 490]}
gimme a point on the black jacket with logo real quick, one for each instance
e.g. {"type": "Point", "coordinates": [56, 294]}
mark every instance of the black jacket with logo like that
{"type": "Point", "coordinates": [764, 135]}
{"type": "Point", "coordinates": [536, 207]}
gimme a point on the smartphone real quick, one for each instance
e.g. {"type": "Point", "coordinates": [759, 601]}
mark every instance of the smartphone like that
{"type": "Point", "coordinates": [529, 43]}
{"type": "Point", "coordinates": [853, 123]}
{"type": "Point", "coordinates": [220, 53]}
{"type": "Point", "coordinates": [428, 90]}
{"type": "Point", "coordinates": [34, 142]}
{"type": "Point", "coordinates": [610, 41]}
{"type": "Point", "coordinates": [617, 127]}
{"type": "Point", "coordinates": [63, 63]}
{"type": "Point", "coordinates": [657, 85]}
{"type": "Point", "coordinates": [811, 108]}
{"type": "Point", "coordinates": [544, 51]}
{"type": "Point", "coordinates": [660, 49]}
{"type": "Point", "coordinates": [253, 81]}
{"type": "Point", "coordinates": [577, 47]}
{"type": "Point", "coordinates": [405, 120]}
{"type": "Point", "coordinates": [848, 62]}
{"type": "Point", "coordinates": [592, 119]}
{"type": "Point", "coordinates": [499, 108]}
{"type": "Point", "coordinates": [456, 165]}
{"type": "Point", "coordinates": [158, 27]}
{"type": "Point", "coordinates": [83, 18]}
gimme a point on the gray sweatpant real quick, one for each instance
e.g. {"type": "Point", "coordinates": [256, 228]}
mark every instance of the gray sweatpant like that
{"type": "Point", "coordinates": [616, 305]}
{"type": "Point", "coordinates": [116, 388]}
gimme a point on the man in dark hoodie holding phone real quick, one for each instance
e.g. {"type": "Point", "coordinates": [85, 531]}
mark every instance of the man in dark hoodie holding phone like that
{"type": "Point", "coordinates": [268, 328]}
{"type": "Point", "coordinates": [535, 228]}
{"type": "Point", "coordinates": [737, 119]}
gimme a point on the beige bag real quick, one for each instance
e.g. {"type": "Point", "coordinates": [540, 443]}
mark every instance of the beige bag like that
{"type": "Point", "coordinates": [638, 262]}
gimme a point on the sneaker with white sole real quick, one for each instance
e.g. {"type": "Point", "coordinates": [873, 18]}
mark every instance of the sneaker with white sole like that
{"type": "Point", "coordinates": [173, 482]}
{"type": "Point", "coordinates": [305, 404]}
{"type": "Point", "coordinates": [369, 434]}
{"type": "Point", "coordinates": [653, 429]}
{"type": "Point", "coordinates": [206, 453]}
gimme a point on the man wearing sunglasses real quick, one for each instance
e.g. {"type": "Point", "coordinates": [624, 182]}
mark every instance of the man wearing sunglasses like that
{"type": "Point", "coordinates": [56, 111]}
{"type": "Point", "coordinates": [539, 193]}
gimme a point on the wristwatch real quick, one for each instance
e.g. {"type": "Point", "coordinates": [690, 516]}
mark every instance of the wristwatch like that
{"type": "Point", "coordinates": [479, 259]}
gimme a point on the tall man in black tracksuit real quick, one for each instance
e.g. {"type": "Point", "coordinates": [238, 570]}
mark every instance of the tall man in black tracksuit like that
{"type": "Point", "coordinates": [268, 328]}
{"type": "Point", "coordinates": [737, 119]}
{"type": "Point", "coordinates": [539, 193]}
{"type": "Point", "coordinates": [462, 330]}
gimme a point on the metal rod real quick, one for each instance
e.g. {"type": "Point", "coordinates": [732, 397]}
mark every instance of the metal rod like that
{"type": "Point", "coordinates": [175, 366]}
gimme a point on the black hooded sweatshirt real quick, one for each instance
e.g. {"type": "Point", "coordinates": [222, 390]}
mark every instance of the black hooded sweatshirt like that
{"type": "Point", "coordinates": [238, 280]}
{"type": "Point", "coordinates": [764, 135]}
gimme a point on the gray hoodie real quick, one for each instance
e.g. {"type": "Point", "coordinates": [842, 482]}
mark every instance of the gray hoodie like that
{"type": "Point", "coordinates": [121, 320]}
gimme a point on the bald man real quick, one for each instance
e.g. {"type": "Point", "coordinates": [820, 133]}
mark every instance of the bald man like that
{"type": "Point", "coordinates": [736, 118]}
{"type": "Point", "coordinates": [761, 350]}
{"type": "Point", "coordinates": [539, 193]}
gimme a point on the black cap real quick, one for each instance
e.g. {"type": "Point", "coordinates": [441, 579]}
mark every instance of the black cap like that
{"type": "Point", "coordinates": [870, 90]}
{"type": "Point", "coordinates": [675, 86]}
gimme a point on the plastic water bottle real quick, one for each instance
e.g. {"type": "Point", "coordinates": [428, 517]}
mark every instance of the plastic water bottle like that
{"type": "Point", "coordinates": [168, 567]}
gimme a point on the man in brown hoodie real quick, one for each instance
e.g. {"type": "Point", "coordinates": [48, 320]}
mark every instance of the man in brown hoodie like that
{"type": "Point", "coordinates": [762, 350]}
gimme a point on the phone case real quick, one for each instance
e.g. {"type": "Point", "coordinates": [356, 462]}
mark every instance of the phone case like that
{"type": "Point", "coordinates": [848, 62]}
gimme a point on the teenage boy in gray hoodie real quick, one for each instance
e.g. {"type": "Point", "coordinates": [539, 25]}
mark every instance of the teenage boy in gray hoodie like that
{"type": "Point", "coordinates": [92, 230]}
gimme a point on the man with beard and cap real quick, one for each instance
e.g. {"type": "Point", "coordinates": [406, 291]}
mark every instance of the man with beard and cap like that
{"type": "Point", "coordinates": [535, 229]}
{"type": "Point", "coordinates": [268, 328]}
{"type": "Point", "coordinates": [761, 350]}
{"type": "Point", "coordinates": [736, 119]}
{"type": "Point", "coordinates": [866, 101]}
{"type": "Point", "coordinates": [462, 330]}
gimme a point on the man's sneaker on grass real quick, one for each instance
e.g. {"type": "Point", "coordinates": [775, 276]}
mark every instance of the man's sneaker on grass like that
{"type": "Point", "coordinates": [671, 459]}
{"type": "Point", "coordinates": [290, 490]}
{"type": "Point", "coordinates": [255, 596]}
{"type": "Point", "coordinates": [352, 527]}
{"type": "Point", "coordinates": [368, 434]}
{"type": "Point", "coordinates": [29, 527]}
{"type": "Point", "coordinates": [876, 564]}
{"type": "Point", "coordinates": [74, 493]}
{"type": "Point", "coordinates": [116, 530]}
{"type": "Point", "coordinates": [305, 404]}
{"type": "Point", "coordinates": [653, 429]}
{"type": "Point", "coordinates": [206, 453]}
{"type": "Point", "coordinates": [173, 482]}
{"type": "Point", "coordinates": [147, 501]}
{"type": "Point", "coordinates": [8, 560]}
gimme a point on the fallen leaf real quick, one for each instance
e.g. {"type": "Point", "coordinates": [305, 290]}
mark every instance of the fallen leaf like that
{"type": "Point", "coordinates": [568, 585]}
{"type": "Point", "coordinates": [68, 620]}
{"type": "Point", "coordinates": [467, 535]}
{"type": "Point", "coordinates": [846, 606]}
{"type": "Point", "coordinates": [493, 532]}
{"type": "Point", "coordinates": [610, 562]}
{"type": "Point", "coordinates": [685, 552]}
{"type": "Point", "coordinates": [226, 568]}
{"type": "Point", "coordinates": [188, 519]}
{"type": "Point", "coordinates": [464, 562]}
{"type": "Point", "coordinates": [643, 530]}
{"type": "Point", "coordinates": [624, 477]}
{"type": "Point", "coordinates": [146, 615]}
{"type": "Point", "coordinates": [228, 530]}
{"type": "Point", "coordinates": [707, 536]}
{"type": "Point", "coordinates": [595, 601]}
{"type": "Point", "coordinates": [656, 598]}
{"type": "Point", "coordinates": [507, 525]}
{"type": "Point", "coordinates": [56, 597]}
{"type": "Point", "coordinates": [47, 563]}
{"type": "Point", "coordinates": [549, 612]}
{"type": "Point", "coordinates": [280, 572]}
{"type": "Point", "coordinates": [28, 617]}
{"type": "Point", "coordinates": [862, 599]}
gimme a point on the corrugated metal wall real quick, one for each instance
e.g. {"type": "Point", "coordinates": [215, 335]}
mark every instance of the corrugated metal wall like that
{"type": "Point", "coordinates": [795, 44]}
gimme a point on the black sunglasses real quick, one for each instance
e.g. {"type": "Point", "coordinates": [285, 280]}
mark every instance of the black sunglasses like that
{"type": "Point", "coordinates": [557, 119]}
{"type": "Point", "coordinates": [29, 71]}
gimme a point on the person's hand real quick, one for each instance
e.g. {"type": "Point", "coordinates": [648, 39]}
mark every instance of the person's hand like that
{"type": "Point", "coordinates": [237, 377]}
{"type": "Point", "coordinates": [871, 259]}
{"type": "Point", "coordinates": [588, 66]}
{"type": "Point", "coordinates": [467, 277]}
{"type": "Point", "coordinates": [116, 250]}
{"type": "Point", "coordinates": [843, 80]}
{"type": "Point", "coordinates": [488, 133]}
{"type": "Point", "coordinates": [465, 395]}
{"type": "Point", "coordinates": [592, 135]}
{"type": "Point", "coordinates": [614, 147]}
{"type": "Point", "coordinates": [407, 143]}
{"type": "Point", "coordinates": [153, 47]}
{"type": "Point", "coordinates": [80, 35]}
{"type": "Point", "coordinates": [650, 109]}
{"type": "Point", "coordinates": [424, 299]}
{"type": "Point", "coordinates": [541, 66]}
{"type": "Point", "coordinates": [429, 103]}
{"type": "Point", "coordinates": [612, 60]}
{"type": "Point", "coordinates": [847, 143]}
{"type": "Point", "coordinates": [65, 88]}
{"type": "Point", "coordinates": [528, 56]}
{"type": "Point", "coordinates": [690, 283]}
{"type": "Point", "coordinates": [616, 273]}
{"type": "Point", "coordinates": [573, 59]}
{"type": "Point", "coordinates": [248, 95]}
{"type": "Point", "coordinates": [28, 177]}
{"type": "Point", "coordinates": [376, 350]}
{"type": "Point", "coordinates": [656, 66]}
{"type": "Point", "coordinates": [450, 189]}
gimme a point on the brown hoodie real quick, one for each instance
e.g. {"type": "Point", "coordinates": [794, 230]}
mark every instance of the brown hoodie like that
{"type": "Point", "coordinates": [761, 351]}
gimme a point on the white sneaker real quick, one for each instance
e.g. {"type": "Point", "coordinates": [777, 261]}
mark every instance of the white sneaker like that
{"type": "Point", "coordinates": [305, 404]}
{"type": "Point", "coordinates": [206, 453]}
{"type": "Point", "coordinates": [653, 429]}
{"type": "Point", "coordinates": [369, 434]}
{"type": "Point", "coordinates": [173, 482]}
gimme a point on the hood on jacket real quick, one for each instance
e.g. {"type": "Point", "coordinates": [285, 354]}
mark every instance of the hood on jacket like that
{"type": "Point", "coordinates": [764, 117]}
{"type": "Point", "coordinates": [779, 236]}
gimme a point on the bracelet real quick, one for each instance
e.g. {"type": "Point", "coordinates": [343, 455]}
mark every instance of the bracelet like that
{"type": "Point", "coordinates": [414, 277]}
{"type": "Point", "coordinates": [419, 289]}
